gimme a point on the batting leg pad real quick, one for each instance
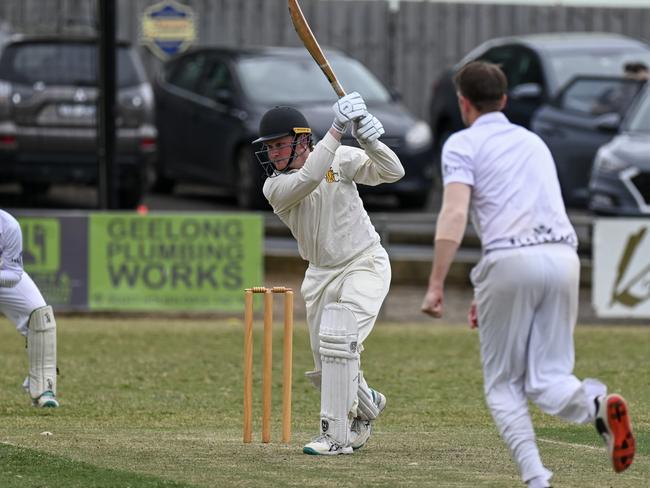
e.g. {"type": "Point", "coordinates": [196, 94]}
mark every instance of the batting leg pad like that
{"type": "Point", "coordinates": [339, 334]}
{"type": "Point", "coordinates": [41, 350]}
{"type": "Point", "coordinates": [367, 409]}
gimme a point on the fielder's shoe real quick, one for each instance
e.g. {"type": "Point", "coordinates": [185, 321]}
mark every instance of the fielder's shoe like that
{"type": "Point", "coordinates": [360, 431]}
{"type": "Point", "coordinates": [613, 424]}
{"type": "Point", "coordinates": [324, 445]}
{"type": "Point", "coordinates": [46, 400]}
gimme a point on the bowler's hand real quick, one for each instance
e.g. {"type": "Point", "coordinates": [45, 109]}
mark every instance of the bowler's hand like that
{"type": "Point", "coordinates": [433, 302]}
{"type": "Point", "coordinates": [472, 316]}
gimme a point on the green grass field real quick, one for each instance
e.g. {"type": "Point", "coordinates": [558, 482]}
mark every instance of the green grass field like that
{"type": "Point", "coordinates": [148, 403]}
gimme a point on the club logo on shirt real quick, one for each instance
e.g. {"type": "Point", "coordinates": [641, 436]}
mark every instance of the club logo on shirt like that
{"type": "Point", "coordinates": [332, 176]}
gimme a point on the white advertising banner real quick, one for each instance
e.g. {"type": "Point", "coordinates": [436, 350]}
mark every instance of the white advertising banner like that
{"type": "Point", "coordinates": [621, 268]}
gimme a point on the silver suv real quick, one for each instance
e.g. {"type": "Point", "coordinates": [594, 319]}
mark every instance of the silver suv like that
{"type": "Point", "coordinates": [48, 100]}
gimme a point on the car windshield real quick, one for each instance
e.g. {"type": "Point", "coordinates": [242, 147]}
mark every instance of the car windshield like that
{"type": "Point", "coordinates": [567, 65]}
{"type": "Point", "coordinates": [639, 118]}
{"type": "Point", "coordinates": [281, 80]}
{"type": "Point", "coordinates": [62, 64]}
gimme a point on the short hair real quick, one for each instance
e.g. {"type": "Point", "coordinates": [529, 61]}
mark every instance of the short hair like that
{"type": "Point", "coordinates": [483, 84]}
{"type": "Point", "coordinates": [635, 67]}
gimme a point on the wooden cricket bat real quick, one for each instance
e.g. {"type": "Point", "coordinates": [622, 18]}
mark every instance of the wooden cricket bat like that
{"type": "Point", "coordinates": [310, 42]}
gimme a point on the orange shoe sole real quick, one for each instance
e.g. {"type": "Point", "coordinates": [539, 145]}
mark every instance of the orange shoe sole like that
{"type": "Point", "coordinates": [623, 445]}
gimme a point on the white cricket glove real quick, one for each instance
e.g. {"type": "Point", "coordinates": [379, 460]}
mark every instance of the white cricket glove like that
{"type": "Point", "coordinates": [347, 109]}
{"type": "Point", "coordinates": [368, 129]}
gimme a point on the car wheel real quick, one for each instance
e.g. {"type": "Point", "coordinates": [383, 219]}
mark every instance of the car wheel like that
{"type": "Point", "coordinates": [131, 190]}
{"type": "Point", "coordinates": [162, 183]}
{"type": "Point", "coordinates": [249, 180]}
{"type": "Point", "coordinates": [129, 198]}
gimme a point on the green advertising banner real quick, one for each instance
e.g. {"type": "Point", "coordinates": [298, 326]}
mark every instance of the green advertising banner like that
{"type": "Point", "coordinates": [197, 262]}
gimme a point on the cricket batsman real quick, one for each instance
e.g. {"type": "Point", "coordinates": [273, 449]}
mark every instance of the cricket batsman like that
{"type": "Point", "coordinates": [313, 190]}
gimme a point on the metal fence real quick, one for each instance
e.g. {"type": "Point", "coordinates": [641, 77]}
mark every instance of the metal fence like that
{"type": "Point", "coordinates": [406, 46]}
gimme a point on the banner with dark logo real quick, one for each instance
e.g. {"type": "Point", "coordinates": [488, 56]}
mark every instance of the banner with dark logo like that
{"type": "Point", "coordinates": [621, 268]}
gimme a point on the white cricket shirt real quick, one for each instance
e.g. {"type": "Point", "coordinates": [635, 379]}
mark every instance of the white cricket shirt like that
{"type": "Point", "coordinates": [320, 202]}
{"type": "Point", "coordinates": [516, 198]}
{"type": "Point", "coordinates": [11, 251]}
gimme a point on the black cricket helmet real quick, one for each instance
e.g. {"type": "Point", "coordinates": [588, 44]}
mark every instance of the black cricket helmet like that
{"type": "Point", "coordinates": [280, 122]}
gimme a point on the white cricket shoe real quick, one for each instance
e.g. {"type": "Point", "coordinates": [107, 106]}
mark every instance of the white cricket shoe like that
{"type": "Point", "coordinates": [324, 445]}
{"type": "Point", "coordinates": [46, 400]}
{"type": "Point", "coordinates": [360, 431]}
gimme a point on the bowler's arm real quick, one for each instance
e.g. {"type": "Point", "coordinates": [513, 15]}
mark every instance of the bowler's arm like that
{"type": "Point", "coordinates": [450, 229]}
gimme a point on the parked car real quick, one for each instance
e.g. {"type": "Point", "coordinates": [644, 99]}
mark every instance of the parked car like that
{"type": "Point", "coordinates": [48, 97]}
{"type": "Point", "coordinates": [209, 102]}
{"type": "Point", "coordinates": [584, 115]}
{"type": "Point", "coordinates": [620, 180]}
{"type": "Point", "coordinates": [537, 66]}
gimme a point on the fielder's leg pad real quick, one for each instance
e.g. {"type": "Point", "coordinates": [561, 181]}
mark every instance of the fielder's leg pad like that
{"type": "Point", "coordinates": [41, 351]}
{"type": "Point", "coordinates": [339, 334]}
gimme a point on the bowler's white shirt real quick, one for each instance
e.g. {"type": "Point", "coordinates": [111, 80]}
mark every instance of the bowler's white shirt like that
{"type": "Point", "coordinates": [320, 202]}
{"type": "Point", "coordinates": [516, 199]}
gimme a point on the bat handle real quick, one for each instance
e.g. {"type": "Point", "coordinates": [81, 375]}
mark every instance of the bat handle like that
{"type": "Point", "coordinates": [338, 88]}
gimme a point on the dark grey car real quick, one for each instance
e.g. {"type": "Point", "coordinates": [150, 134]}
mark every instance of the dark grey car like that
{"type": "Point", "coordinates": [537, 67]}
{"type": "Point", "coordinates": [620, 180]}
{"type": "Point", "coordinates": [209, 103]}
{"type": "Point", "coordinates": [585, 115]}
{"type": "Point", "coordinates": [48, 97]}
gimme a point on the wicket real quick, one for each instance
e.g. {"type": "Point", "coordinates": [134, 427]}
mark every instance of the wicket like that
{"type": "Point", "coordinates": [267, 362]}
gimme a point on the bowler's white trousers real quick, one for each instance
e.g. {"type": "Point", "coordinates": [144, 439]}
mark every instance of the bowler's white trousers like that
{"type": "Point", "coordinates": [18, 302]}
{"type": "Point", "coordinates": [527, 304]}
{"type": "Point", "coordinates": [360, 285]}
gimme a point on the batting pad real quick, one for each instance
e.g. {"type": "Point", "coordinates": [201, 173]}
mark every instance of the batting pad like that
{"type": "Point", "coordinates": [367, 410]}
{"type": "Point", "coordinates": [339, 333]}
{"type": "Point", "coordinates": [41, 350]}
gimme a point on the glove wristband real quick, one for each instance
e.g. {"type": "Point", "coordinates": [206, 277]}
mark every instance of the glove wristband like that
{"type": "Point", "coordinates": [338, 127]}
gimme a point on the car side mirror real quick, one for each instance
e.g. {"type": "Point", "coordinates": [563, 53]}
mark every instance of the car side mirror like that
{"type": "Point", "coordinates": [526, 91]}
{"type": "Point", "coordinates": [609, 122]}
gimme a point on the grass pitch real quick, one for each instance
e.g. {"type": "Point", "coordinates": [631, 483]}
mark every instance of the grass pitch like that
{"type": "Point", "coordinates": [157, 403]}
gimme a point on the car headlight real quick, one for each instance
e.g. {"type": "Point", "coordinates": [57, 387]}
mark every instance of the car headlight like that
{"type": "Point", "coordinates": [419, 136]}
{"type": "Point", "coordinates": [607, 161]}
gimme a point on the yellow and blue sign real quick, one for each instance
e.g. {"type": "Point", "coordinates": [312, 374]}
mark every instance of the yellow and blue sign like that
{"type": "Point", "coordinates": [168, 28]}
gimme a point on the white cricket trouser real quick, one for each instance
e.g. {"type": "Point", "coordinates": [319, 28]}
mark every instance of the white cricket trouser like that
{"type": "Point", "coordinates": [527, 304]}
{"type": "Point", "coordinates": [360, 285]}
{"type": "Point", "coordinates": [18, 302]}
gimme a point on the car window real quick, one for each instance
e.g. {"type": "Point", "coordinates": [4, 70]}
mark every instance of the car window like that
{"type": "Point", "coordinates": [293, 79]}
{"type": "Point", "coordinates": [217, 79]}
{"type": "Point", "coordinates": [639, 118]}
{"type": "Point", "coordinates": [566, 65]}
{"type": "Point", "coordinates": [519, 64]}
{"type": "Point", "coordinates": [599, 96]}
{"type": "Point", "coordinates": [187, 72]}
{"type": "Point", "coordinates": [63, 64]}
